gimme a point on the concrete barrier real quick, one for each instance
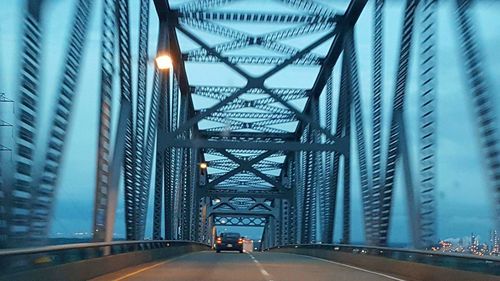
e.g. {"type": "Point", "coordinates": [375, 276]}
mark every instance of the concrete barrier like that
{"type": "Point", "coordinates": [403, 269]}
{"type": "Point", "coordinates": [91, 268]}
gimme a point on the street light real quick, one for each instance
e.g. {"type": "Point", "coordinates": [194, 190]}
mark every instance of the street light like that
{"type": "Point", "coordinates": [203, 165]}
{"type": "Point", "coordinates": [164, 62]}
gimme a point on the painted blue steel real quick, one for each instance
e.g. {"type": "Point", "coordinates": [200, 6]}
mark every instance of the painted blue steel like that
{"type": "Point", "coordinates": [125, 71]}
{"type": "Point", "coordinates": [289, 199]}
{"type": "Point", "coordinates": [377, 118]}
{"type": "Point", "coordinates": [354, 92]}
{"type": "Point", "coordinates": [393, 151]}
{"type": "Point", "coordinates": [482, 99]}
{"type": "Point", "coordinates": [47, 181]}
{"type": "Point", "coordinates": [428, 124]}
{"type": "Point", "coordinates": [140, 163]}
{"type": "Point", "coordinates": [20, 181]}
{"type": "Point", "coordinates": [105, 112]}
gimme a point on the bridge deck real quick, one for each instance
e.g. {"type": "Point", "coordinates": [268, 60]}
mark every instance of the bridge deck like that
{"type": "Point", "coordinates": [267, 266]}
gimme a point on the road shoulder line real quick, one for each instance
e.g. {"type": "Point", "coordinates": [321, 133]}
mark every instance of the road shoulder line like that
{"type": "Point", "coordinates": [353, 267]}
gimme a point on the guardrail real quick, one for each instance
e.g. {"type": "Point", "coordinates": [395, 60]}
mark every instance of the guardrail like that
{"type": "Point", "coordinates": [481, 264]}
{"type": "Point", "coordinates": [14, 261]}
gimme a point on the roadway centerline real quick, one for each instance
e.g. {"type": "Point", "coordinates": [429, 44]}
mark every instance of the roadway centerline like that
{"type": "Point", "coordinates": [262, 270]}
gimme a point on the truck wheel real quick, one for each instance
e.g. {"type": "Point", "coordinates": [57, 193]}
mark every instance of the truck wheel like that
{"type": "Point", "coordinates": [218, 251]}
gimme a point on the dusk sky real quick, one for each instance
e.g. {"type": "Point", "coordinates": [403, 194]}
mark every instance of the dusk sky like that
{"type": "Point", "coordinates": [463, 200]}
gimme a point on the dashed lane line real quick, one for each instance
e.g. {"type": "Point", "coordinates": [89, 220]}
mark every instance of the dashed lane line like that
{"type": "Point", "coordinates": [262, 270]}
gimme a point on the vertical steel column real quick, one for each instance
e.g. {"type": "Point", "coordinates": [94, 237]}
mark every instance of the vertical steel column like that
{"type": "Point", "coordinates": [26, 131]}
{"type": "Point", "coordinates": [6, 170]}
{"type": "Point", "coordinates": [342, 111]}
{"type": "Point", "coordinates": [427, 152]}
{"type": "Point", "coordinates": [167, 194]}
{"type": "Point", "coordinates": [186, 171]}
{"type": "Point", "coordinates": [123, 126]}
{"type": "Point", "coordinates": [307, 207]}
{"type": "Point", "coordinates": [152, 131]}
{"type": "Point", "coordinates": [294, 212]}
{"type": "Point", "coordinates": [47, 179]}
{"type": "Point", "coordinates": [202, 227]}
{"type": "Point", "coordinates": [194, 200]}
{"type": "Point", "coordinates": [104, 133]}
{"type": "Point", "coordinates": [139, 164]}
{"type": "Point", "coordinates": [343, 131]}
{"type": "Point", "coordinates": [174, 171]}
{"type": "Point", "coordinates": [317, 170]}
{"type": "Point", "coordinates": [397, 114]}
{"type": "Point", "coordinates": [186, 194]}
{"type": "Point", "coordinates": [346, 226]}
{"type": "Point", "coordinates": [332, 200]}
{"type": "Point", "coordinates": [377, 120]}
{"type": "Point", "coordinates": [299, 174]}
{"type": "Point", "coordinates": [158, 194]}
{"type": "Point", "coordinates": [126, 94]}
{"type": "Point", "coordinates": [327, 185]}
{"type": "Point", "coordinates": [278, 226]}
{"type": "Point", "coordinates": [350, 49]}
{"type": "Point", "coordinates": [160, 177]}
{"type": "Point", "coordinates": [167, 172]}
{"type": "Point", "coordinates": [284, 222]}
{"type": "Point", "coordinates": [412, 201]}
{"type": "Point", "coordinates": [482, 99]}
{"type": "Point", "coordinates": [162, 78]}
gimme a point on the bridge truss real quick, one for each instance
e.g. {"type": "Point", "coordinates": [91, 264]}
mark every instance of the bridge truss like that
{"type": "Point", "coordinates": [278, 157]}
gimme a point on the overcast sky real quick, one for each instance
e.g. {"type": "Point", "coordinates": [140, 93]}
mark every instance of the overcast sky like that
{"type": "Point", "coordinates": [464, 204]}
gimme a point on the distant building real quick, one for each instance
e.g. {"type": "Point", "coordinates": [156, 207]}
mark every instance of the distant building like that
{"type": "Point", "coordinates": [495, 243]}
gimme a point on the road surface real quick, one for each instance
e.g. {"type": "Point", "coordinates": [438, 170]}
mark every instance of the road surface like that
{"type": "Point", "coordinates": [267, 266]}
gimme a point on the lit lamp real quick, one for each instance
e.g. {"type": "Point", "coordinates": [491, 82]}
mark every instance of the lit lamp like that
{"type": "Point", "coordinates": [203, 168]}
{"type": "Point", "coordinates": [164, 62]}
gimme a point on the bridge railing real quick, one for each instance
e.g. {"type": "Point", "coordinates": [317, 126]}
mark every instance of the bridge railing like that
{"type": "Point", "coordinates": [465, 262]}
{"type": "Point", "coordinates": [18, 260]}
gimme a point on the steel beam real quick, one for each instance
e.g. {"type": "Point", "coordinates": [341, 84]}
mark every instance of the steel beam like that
{"type": "Point", "coordinates": [348, 20]}
{"type": "Point", "coordinates": [285, 146]}
{"type": "Point", "coordinates": [393, 150]}
{"type": "Point", "coordinates": [103, 177]}
{"type": "Point", "coordinates": [482, 99]}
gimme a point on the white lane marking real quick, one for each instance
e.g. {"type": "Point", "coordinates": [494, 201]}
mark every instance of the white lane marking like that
{"type": "Point", "coordinates": [261, 268]}
{"type": "Point", "coordinates": [358, 268]}
{"type": "Point", "coordinates": [264, 272]}
{"type": "Point", "coordinates": [149, 267]}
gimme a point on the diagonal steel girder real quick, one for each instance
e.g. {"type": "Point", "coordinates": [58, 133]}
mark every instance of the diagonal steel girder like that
{"type": "Point", "coordinates": [258, 173]}
{"type": "Point", "coordinates": [252, 81]}
{"type": "Point", "coordinates": [348, 20]}
{"type": "Point", "coordinates": [243, 165]}
{"type": "Point", "coordinates": [259, 82]}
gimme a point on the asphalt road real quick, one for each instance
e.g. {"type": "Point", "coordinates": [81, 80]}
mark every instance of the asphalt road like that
{"type": "Point", "coordinates": [210, 266]}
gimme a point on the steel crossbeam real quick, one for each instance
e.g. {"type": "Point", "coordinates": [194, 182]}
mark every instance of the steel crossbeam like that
{"type": "Point", "coordinates": [256, 155]}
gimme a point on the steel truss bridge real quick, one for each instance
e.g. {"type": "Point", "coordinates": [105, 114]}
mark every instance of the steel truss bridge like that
{"type": "Point", "coordinates": [278, 157]}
